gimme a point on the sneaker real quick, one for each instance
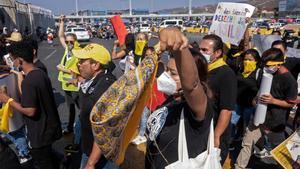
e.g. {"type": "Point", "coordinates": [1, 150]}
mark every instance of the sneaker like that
{"type": "Point", "coordinates": [263, 154]}
{"type": "Point", "coordinates": [24, 160]}
{"type": "Point", "coordinates": [66, 131]}
{"type": "Point", "coordinates": [139, 140]}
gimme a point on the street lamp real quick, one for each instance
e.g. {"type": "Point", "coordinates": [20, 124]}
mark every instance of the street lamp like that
{"type": "Point", "coordinates": [76, 3]}
{"type": "Point", "coordinates": [190, 7]}
{"type": "Point", "coordinates": [130, 8]}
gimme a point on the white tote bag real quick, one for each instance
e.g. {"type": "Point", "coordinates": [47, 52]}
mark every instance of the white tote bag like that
{"type": "Point", "coordinates": [209, 159]}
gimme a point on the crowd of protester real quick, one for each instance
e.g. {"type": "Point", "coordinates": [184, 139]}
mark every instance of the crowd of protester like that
{"type": "Point", "coordinates": [203, 84]}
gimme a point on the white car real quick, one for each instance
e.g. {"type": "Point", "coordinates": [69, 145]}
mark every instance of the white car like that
{"type": "Point", "coordinates": [81, 33]}
{"type": "Point", "coordinates": [172, 23]}
{"type": "Point", "coordinates": [145, 28]}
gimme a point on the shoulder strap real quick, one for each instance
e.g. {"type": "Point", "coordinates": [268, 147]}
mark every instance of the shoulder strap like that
{"type": "Point", "coordinates": [211, 138]}
{"type": "Point", "coordinates": [257, 73]}
{"type": "Point", "coordinates": [182, 145]}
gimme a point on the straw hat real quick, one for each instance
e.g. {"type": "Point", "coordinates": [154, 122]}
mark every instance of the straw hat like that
{"type": "Point", "coordinates": [15, 37]}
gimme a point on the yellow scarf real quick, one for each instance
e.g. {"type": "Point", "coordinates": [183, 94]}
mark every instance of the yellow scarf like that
{"type": "Point", "coordinates": [5, 113]}
{"type": "Point", "coordinates": [139, 47]}
{"type": "Point", "coordinates": [249, 67]}
{"type": "Point", "coordinates": [116, 115]}
{"type": "Point", "coordinates": [216, 64]}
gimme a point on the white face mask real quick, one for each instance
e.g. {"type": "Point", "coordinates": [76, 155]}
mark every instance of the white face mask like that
{"type": "Point", "coordinates": [207, 57]}
{"type": "Point", "coordinates": [166, 84]}
{"type": "Point", "coordinates": [271, 70]}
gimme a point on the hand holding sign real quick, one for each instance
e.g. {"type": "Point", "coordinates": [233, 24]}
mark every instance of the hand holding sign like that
{"type": "Point", "coordinates": [230, 21]}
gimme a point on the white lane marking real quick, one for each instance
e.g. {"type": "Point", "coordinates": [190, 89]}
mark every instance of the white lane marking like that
{"type": "Point", "coordinates": [51, 54]}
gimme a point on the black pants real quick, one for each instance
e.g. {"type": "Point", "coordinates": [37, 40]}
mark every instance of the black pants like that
{"type": "Point", "coordinates": [44, 158]}
{"type": "Point", "coordinates": [72, 101]}
{"type": "Point", "coordinates": [8, 159]}
{"type": "Point", "coordinates": [224, 144]}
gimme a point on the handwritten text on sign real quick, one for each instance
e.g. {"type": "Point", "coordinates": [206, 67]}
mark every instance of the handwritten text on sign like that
{"type": "Point", "coordinates": [229, 21]}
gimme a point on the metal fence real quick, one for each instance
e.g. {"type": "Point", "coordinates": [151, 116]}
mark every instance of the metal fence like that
{"type": "Point", "coordinates": [24, 17]}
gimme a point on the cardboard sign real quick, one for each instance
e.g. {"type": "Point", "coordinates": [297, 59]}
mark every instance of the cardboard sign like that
{"type": "Point", "coordinates": [264, 42]}
{"type": "Point", "coordinates": [282, 153]}
{"type": "Point", "coordinates": [293, 53]}
{"type": "Point", "coordinates": [229, 21]}
{"type": "Point", "coordinates": [120, 28]}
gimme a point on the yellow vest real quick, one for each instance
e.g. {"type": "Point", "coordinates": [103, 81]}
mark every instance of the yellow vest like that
{"type": "Point", "coordinates": [70, 64]}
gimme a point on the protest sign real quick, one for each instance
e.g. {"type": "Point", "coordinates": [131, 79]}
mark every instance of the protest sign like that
{"type": "Point", "coordinates": [10, 81]}
{"type": "Point", "coordinates": [282, 153]}
{"type": "Point", "coordinates": [120, 28]}
{"type": "Point", "coordinates": [229, 21]}
{"type": "Point", "coordinates": [293, 53]}
{"type": "Point", "coordinates": [264, 42]}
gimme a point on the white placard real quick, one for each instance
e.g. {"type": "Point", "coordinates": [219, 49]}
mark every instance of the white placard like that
{"type": "Point", "coordinates": [264, 42]}
{"type": "Point", "coordinates": [229, 21]}
{"type": "Point", "coordinates": [293, 53]}
{"type": "Point", "coordinates": [261, 109]}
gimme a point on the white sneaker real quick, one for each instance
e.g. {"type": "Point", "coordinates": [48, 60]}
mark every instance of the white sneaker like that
{"type": "Point", "coordinates": [25, 159]}
{"type": "Point", "coordinates": [139, 140]}
{"type": "Point", "coordinates": [263, 154]}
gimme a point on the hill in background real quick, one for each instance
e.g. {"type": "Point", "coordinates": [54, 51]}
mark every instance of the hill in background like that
{"type": "Point", "coordinates": [268, 5]}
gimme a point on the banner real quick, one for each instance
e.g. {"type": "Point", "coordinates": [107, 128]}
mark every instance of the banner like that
{"type": "Point", "coordinates": [229, 21]}
{"type": "Point", "coordinates": [120, 28]}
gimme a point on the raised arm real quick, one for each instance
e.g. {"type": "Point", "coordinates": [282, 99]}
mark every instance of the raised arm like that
{"type": "Point", "coordinates": [61, 33]}
{"type": "Point", "coordinates": [172, 39]}
{"type": "Point", "coordinates": [117, 55]}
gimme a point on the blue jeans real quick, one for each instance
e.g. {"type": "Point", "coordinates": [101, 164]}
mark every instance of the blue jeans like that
{"type": "Point", "coordinates": [143, 122]}
{"type": "Point", "coordinates": [77, 132]}
{"type": "Point", "coordinates": [19, 140]}
{"type": "Point", "coordinates": [108, 165]}
{"type": "Point", "coordinates": [245, 113]}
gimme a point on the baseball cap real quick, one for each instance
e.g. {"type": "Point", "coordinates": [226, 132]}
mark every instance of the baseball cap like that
{"type": "Point", "coordinates": [93, 51]}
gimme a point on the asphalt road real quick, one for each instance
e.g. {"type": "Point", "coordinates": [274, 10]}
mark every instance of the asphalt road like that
{"type": "Point", "coordinates": [51, 55]}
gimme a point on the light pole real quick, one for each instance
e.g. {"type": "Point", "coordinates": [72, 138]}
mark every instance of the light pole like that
{"type": "Point", "coordinates": [130, 8]}
{"type": "Point", "coordinates": [190, 7]}
{"type": "Point", "coordinates": [76, 3]}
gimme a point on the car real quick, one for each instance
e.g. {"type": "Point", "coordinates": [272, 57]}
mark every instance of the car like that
{"type": "Point", "coordinates": [81, 33]}
{"type": "Point", "coordinates": [145, 28]}
{"type": "Point", "coordinates": [172, 23]}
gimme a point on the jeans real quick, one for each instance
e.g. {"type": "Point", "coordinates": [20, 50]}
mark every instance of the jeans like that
{"type": "Point", "coordinates": [108, 165]}
{"type": "Point", "coordinates": [245, 113]}
{"type": "Point", "coordinates": [77, 132]}
{"type": "Point", "coordinates": [143, 122]}
{"type": "Point", "coordinates": [19, 140]}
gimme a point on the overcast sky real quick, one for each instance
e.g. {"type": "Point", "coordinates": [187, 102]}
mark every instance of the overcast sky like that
{"type": "Point", "coordinates": [68, 6]}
